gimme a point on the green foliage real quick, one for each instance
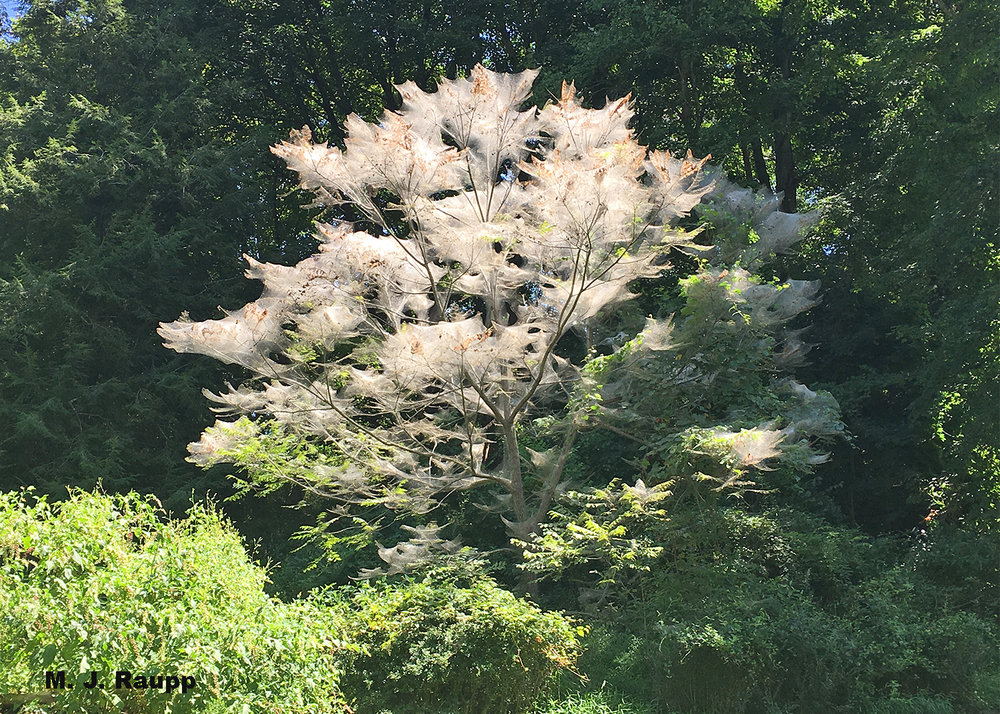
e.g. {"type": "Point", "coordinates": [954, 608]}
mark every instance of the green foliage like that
{"type": "Point", "coordinates": [774, 90]}
{"type": "Point", "coordinates": [888, 112]}
{"type": "Point", "coordinates": [132, 134]}
{"type": "Point", "coordinates": [270, 456]}
{"type": "Point", "coordinates": [592, 703]}
{"type": "Point", "coordinates": [606, 528]}
{"type": "Point", "coordinates": [115, 210]}
{"type": "Point", "coordinates": [104, 583]}
{"type": "Point", "coordinates": [322, 61]}
{"type": "Point", "coordinates": [437, 644]}
{"type": "Point", "coordinates": [100, 583]}
{"type": "Point", "coordinates": [782, 612]}
{"type": "Point", "coordinates": [910, 272]}
{"type": "Point", "coordinates": [134, 172]}
{"type": "Point", "coordinates": [714, 405]}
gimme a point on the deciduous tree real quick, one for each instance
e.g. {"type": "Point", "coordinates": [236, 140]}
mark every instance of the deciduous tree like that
{"type": "Point", "coordinates": [404, 361]}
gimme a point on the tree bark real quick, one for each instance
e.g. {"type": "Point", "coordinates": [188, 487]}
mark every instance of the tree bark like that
{"type": "Point", "coordinates": [785, 180]}
{"type": "Point", "coordinates": [760, 166]}
{"type": "Point", "coordinates": [747, 162]}
{"type": "Point", "coordinates": [686, 98]}
{"type": "Point", "coordinates": [521, 528]}
{"type": "Point", "coordinates": [512, 472]}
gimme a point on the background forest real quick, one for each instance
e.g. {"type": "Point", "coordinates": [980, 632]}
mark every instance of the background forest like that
{"type": "Point", "coordinates": [135, 172]}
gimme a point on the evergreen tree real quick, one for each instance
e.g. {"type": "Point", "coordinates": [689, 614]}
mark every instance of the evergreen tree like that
{"type": "Point", "coordinates": [119, 202]}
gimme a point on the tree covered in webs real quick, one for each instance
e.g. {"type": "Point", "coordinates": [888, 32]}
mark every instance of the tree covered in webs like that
{"type": "Point", "coordinates": [401, 362]}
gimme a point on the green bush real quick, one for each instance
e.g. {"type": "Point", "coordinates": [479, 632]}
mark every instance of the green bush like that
{"type": "Point", "coordinates": [100, 583]}
{"type": "Point", "coordinates": [436, 646]}
{"type": "Point", "coordinates": [769, 613]}
{"type": "Point", "coordinates": [592, 703]}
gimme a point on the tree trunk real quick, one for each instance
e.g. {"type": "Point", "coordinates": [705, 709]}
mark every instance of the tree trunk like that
{"type": "Point", "coordinates": [512, 471]}
{"type": "Point", "coordinates": [513, 60]}
{"type": "Point", "coordinates": [785, 180]}
{"type": "Point", "coordinates": [520, 528]}
{"type": "Point", "coordinates": [747, 162]}
{"type": "Point", "coordinates": [686, 99]}
{"type": "Point", "coordinates": [760, 166]}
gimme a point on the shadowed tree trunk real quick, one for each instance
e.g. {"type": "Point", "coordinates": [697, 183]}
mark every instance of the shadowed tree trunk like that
{"type": "Point", "coordinates": [760, 166]}
{"type": "Point", "coordinates": [785, 181]}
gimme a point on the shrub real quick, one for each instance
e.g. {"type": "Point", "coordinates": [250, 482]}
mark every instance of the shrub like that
{"type": "Point", "coordinates": [434, 645]}
{"type": "Point", "coordinates": [592, 703]}
{"type": "Point", "coordinates": [101, 584]}
{"type": "Point", "coordinates": [747, 613]}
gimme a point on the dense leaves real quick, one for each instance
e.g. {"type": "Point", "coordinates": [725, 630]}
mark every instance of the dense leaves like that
{"type": "Point", "coordinates": [916, 259]}
{"type": "Point", "coordinates": [106, 584]}
{"type": "Point", "coordinates": [734, 612]}
{"type": "Point", "coordinates": [102, 584]}
{"type": "Point", "coordinates": [452, 647]}
{"type": "Point", "coordinates": [113, 194]}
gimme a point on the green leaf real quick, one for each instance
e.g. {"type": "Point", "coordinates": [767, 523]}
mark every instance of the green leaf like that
{"type": "Point", "coordinates": [48, 655]}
